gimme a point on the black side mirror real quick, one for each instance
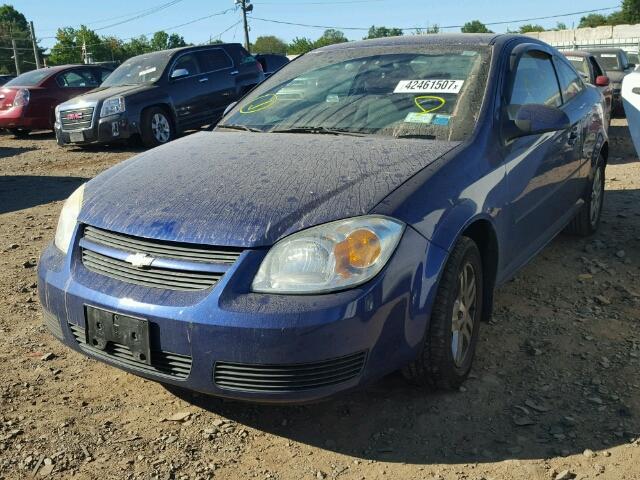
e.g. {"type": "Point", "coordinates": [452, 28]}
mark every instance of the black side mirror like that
{"type": "Point", "coordinates": [534, 119]}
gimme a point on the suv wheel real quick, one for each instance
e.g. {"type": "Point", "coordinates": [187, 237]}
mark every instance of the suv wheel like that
{"type": "Point", "coordinates": [450, 341]}
{"type": "Point", "coordinates": [157, 127]}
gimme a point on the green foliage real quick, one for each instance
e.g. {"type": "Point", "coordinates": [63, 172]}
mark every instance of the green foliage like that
{"type": "Point", "coordinates": [269, 44]}
{"type": "Point", "coordinates": [380, 32]}
{"type": "Point", "coordinates": [631, 11]}
{"type": "Point", "coordinates": [13, 24]}
{"type": "Point", "coordinates": [329, 37]}
{"type": "Point", "coordinates": [475, 26]}
{"type": "Point", "coordinates": [561, 26]}
{"type": "Point", "coordinates": [300, 45]}
{"type": "Point", "coordinates": [593, 20]}
{"type": "Point", "coordinates": [529, 27]}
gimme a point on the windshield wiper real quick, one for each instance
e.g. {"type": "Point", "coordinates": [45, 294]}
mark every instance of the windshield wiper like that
{"type": "Point", "coordinates": [416, 135]}
{"type": "Point", "coordinates": [318, 130]}
{"type": "Point", "coordinates": [240, 127]}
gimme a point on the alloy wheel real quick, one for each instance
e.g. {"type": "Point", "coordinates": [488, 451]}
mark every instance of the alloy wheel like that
{"type": "Point", "coordinates": [464, 314]}
{"type": "Point", "coordinates": [160, 128]}
{"type": "Point", "coordinates": [597, 190]}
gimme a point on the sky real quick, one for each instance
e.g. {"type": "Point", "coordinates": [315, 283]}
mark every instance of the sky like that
{"type": "Point", "coordinates": [101, 15]}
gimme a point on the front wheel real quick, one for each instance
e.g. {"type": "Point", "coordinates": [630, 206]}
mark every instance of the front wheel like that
{"type": "Point", "coordinates": [157, 127]}
{"type": "Point", "coordinates": [586, 222]}
{"type": "Point", "coordinates": [450, 341]}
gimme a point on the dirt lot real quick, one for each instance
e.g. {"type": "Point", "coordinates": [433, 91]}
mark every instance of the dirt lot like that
{"type": "Point", "coordinates": [555, 391]}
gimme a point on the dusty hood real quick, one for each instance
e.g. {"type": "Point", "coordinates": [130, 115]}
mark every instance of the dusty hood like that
{"type": "Point", "coordinates": [250, 189]}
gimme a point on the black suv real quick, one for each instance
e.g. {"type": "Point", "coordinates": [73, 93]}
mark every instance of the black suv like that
{"type": "Point", "coordinates": [159, 95]}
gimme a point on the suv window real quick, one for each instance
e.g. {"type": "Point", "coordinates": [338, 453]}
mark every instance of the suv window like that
{"type": "Point", "coordinates": [78, 78]}
{"type": "Point", "coordinates": [214, 59]}
{"type": "Point", "coordinates": [570, 82]}
{"type": "Point", "coordinates": [187, 62]}
{"type": "Point", "coordinates": [535, 81]}
{"type": "Point", "coordinates": [102, 74]}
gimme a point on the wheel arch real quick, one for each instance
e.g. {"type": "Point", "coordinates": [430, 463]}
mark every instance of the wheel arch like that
{"type": "Point", "coordinates": [164, 106]}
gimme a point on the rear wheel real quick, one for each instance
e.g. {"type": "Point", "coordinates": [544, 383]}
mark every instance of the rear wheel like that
{"type": "Point", "coordinates": [586, 222]}
{"type": "Point", "coordinates": [450, 342]}
{"type": "Point", "coordinates": [157, 127]}
{"type": "Point", "coordinates": [20, 132]}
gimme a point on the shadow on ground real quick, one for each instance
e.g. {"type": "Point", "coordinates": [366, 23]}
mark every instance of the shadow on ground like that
{"type": "Point", "coordinates": [538, 389]}
{"type": "Point", "coordinates": [18, 192]}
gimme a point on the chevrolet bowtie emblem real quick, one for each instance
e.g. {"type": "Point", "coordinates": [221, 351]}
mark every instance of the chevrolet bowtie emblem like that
{"type": "Point", "coordinates": [140, 260]}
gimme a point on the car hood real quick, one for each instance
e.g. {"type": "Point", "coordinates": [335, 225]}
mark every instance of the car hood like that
{"type": "Point", "coordinates": [251, 189]}
{"type": "Point", "coordinates": [100, 93]}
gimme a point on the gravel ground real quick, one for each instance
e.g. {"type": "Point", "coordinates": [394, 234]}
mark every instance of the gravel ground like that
{"type": "Point", "coordinates": [554, 394]}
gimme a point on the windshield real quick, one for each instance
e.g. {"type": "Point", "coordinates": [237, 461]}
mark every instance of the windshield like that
{"type": "Point", "coordinates": [29, 79]}
{"type": "Point", "coordinates": [609, 61]}
{"type": "Point", "coordinates": [402, 91]}
{"type": "Point", "coordinates": [138, 70]}
{"type": "Point", "coordinates": [580, 64]}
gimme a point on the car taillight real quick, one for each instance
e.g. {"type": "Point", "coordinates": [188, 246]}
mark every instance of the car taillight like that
{"type": "Point", "coordinates": [21, 98]}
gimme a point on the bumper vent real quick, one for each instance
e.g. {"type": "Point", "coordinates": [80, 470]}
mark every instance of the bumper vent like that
{"type": "Point", "coordinates": [53, 324]}
{"type": "Point", "coordinates": [192, 268]}
{"type": "Point", "coordinates": [76, 119]}
{"type": "Point", "coordinates": [165, 363]}
{"type": "Point", "coordinates": [287, 378]}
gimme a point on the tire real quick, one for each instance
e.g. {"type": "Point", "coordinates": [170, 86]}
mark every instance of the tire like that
{"type": "Point", "coordinates": [156, 127]}
{"type": "Point", "coordinates": [20, 132]}
{"type": "Point", "coordinates": [443, 363]}
{"type": "Point", "coordinates": [587, 220]}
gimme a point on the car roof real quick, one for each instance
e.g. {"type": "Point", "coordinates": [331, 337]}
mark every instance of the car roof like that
{"type": "Point", "coordinates": [442, 39]}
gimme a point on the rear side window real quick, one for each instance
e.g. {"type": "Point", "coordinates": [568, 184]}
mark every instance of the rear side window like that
{"type": "Point", "coordinates": [535, 81]}
{"type": "Point", "coordinates": [570, 82]}
{"type": "Point", "coordinates": [78, 78]}
{"type": "Point", "coordinates": [214, 59]}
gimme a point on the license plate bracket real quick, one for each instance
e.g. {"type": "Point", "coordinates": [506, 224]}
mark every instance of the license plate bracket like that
{"type": "Point", "coordinates": [76, 137]}
{"type": "Point", "coordinates": [105, 328]}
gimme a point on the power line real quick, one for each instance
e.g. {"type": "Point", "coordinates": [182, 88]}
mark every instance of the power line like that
{"type": "Point", "coordinates": [270, 20]}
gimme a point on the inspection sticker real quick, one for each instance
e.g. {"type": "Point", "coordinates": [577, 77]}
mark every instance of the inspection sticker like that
{"type": "Point", "coordinates": [416, 117]}
{"type": "Point", "coordinates": [429, 86]}
{"type": "Point", "coordinates": [575, 59]}
{"type": "Point", "coordinates": [145, 72]}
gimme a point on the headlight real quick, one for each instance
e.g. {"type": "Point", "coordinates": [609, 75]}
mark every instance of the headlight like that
{"type": "Point", "coordinates": [68, 220]}
{"type": "Point", "coordinates": [111, 106]}
{"type": "Point", "coordinates": [329, 257]}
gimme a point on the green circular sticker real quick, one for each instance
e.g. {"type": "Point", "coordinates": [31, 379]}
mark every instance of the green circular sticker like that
{"type": "Point", "coordinates": [260, 103]}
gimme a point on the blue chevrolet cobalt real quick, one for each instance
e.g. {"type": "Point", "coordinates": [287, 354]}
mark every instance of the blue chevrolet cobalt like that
{"type": "Point", "coordinates": [349, 217]}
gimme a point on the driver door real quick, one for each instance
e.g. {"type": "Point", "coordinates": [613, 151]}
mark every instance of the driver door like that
{"type": "Point", "coordinates": [187, 90]}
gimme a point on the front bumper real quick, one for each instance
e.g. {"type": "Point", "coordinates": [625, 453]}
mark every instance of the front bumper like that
{"type": "Point", "coordinates": [382, 321]}
{"type": "Point", "coordinates": [103, 130]}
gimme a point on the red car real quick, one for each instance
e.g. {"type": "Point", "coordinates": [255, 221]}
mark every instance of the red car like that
{"type": "Point", "coordinates": [28, 101]}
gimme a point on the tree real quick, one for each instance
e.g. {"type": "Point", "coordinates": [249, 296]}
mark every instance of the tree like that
{"type": "Point", "coordinates": [530, 28]}
{"type": "Point", "coordinates": [379, 32]}
{"type": "Point", "coordinates": [329, 37]}
{"type": "Point", "coordinates": [269, 44]}
{"type": "Point", "coordinates": [475, 26]}
{"type": "Point", "coordinates": [631, 11]}
{"type": "Point", "coordinates": [300, 45]}
{"type": "Point", "coordinates": [618, 18]}
{"type": "Point", "coordinates": [561, 26]}
{"type": "Point", "coordinates": [69, 43]}
{"type": "Point", "coordinates": [13, 25]}
{"type": "Point", "coordinates": [161, 40]}
{"type": "Point", "coordinates": [137, 46]}
{"type": "Point", "coordinates": [592, 20]}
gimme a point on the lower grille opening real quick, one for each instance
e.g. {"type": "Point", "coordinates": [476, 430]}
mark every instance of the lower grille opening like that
{"type": "Point", "coordinates": [165, 363]}
{"type": "Point", "coordinates": [53, 324]}
{"type": "Point", "coordinates": [288, 378]}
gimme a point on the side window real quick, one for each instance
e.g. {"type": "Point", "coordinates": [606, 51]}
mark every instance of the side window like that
{"type": "Point", "coordinates": [597, 71]}
{"type": "Point", "coordinates": [535, 81]}
{"type": "Point", "coordinates": [187, 62]}
{"type": "Point", "coordinates": [102, 74]}
{"type": "Point", "coordinates": [570, 82]}
{"type": "Point", "coordinates": [214, 59]}
{"type": "Point", "coordinates": [77, 79]}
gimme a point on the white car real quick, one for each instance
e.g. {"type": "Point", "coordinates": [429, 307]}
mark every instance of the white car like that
{"type": "Point", "coordinates": [631, 101]}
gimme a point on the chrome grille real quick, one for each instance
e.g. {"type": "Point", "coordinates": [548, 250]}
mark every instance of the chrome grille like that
{"type": "Point", "coordinates": [193, 267]}
{"type": "Point", "coordinates": [286, 378]}
{"type": "Point", "coordinates": [165, 363]}
{"type": "Point", "coordinates": [77, 119]}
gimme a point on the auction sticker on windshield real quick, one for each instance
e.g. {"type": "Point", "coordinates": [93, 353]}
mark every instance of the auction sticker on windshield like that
{"type": "Point", "coordinates": [429, 86]}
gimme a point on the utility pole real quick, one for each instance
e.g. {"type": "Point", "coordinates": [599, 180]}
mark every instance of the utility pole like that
{"type": "Point", "coordinates": [35, 45]}
{"type": "Point", "coordinates": [246, 7]}
{"type": "Point", "coordinates": [15, 56]}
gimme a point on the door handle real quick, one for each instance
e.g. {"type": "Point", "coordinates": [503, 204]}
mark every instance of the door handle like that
{"type": "Point", "coordinates": [202, 80]}
{"type": "Point", "coordinates": [235, 72]}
